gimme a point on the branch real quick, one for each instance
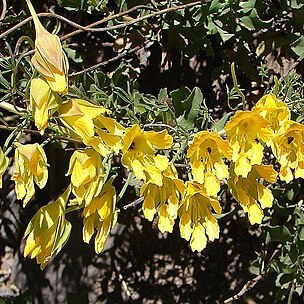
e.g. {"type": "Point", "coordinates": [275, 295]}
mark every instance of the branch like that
{"type": "Point", "coordinates": [4, 7]}
{"type": "Point", "coordinates": [81, 28]}
{"type": "Point", "coordinates": [160, 12]}
{"type": "Point", "coordinates": [103, 63]}
{"type": "Point", "coordinates": [249, 285]}
{"type": "Point", "coordinates": [20, 24]}
{"type": "Point", "coordinates": [133, 204]}
{"type": "Point", "coordinates": [89, 28]}
{"type": "Point", "coordinates": [114, 27]}
{"type": "Point", "coordinates": [103, 29]}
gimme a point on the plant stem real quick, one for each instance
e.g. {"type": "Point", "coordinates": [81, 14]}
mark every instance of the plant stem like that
{"type": "Point", "coordinates": [236, 86]}
{"type": "Point", "coordinates": [291, 292]}
{"type": "Point", "coordinates": [124, 188]}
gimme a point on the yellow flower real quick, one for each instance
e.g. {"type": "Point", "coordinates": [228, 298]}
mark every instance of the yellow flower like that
{"type": "Point", "coordinates": [49, 58]}
{"type": "Point", "coordinates": [196, 219]}
{"type": "Point", "coordinates": [43, 103]}
{"type": "Point", "coordinates": [139, 153]}
{"type": "Point", "coordinates": [3, 165]}
{"type": "Point", "coordinates": [108, 136]}
{"type": "Point", "coordinates": [272, 109]}
{"type": "Point", "coordinates": [288, 148]}
{"type": "Point", "coordinates": [30, 167]}
{"type": "Point", "coordinates": [206, 154]}
{"type": "Point", "coordinates": [100, 215]}
{"type": "Point", "coordinates": [85, 120]}
{"type": "Point", "coordinates": [164, 199]}
{"type": "Point", "coordinates": [78, 115]}
{"type": "Point", "coordinates": [245, 132]}
{"type": "Point", "coordinates": [252, 195]}
{"type": "Point", "coordinates": [87, 174]}
{"type": "Point", "coordinates": [48, 231]}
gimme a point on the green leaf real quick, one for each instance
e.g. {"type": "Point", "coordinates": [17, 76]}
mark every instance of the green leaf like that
{"type": "Point", "coordinates": [296, 4]}
{"type": "Point", "coordinates": [163, 93]}
{"type": "Point", "coordinates": [283, 279]}
{"type": "Point", "coordinates": [298, 46]}
{"type": "Point", "coordinates": [178, 98]}
{"type": "Point", "coordinates": [257, 21]}
{"type": "Point", "coordinates": [73, 55]}
{"type": "Point", "coordinates": [224, 34]}
{"type": "Point", "coordinates": [250, 4]}
{"type": "Point", "coordinates": [215, 6]}
{"type": "Point", "coordinates": [187, 107]}
{"type": "Point", "coordinates": [301, 234]}
{"type": "Point", "coordinates": [279, 233]}
{"type": "Point", "coordinates": [246, 21]}
{"type": "Point", "coordinates": [219, 125]}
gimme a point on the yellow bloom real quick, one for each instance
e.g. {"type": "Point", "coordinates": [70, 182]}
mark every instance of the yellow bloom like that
{"type": "Point", "coordinates": [30, 167]}
{"type": "Point", "coordinates": [48, 231]}
{"type": "Point", "coordinates": [78, 115]}
{"type": "Point", "coordinates": [252, 195]}
{"type": "Point", "coordinates": [85, 120]}
{"type": "Point", "coordinates": [87, 174]}
{"type": "Point", "coordinates": [49, 58]}
{"type": "Point", "coordinates": [245, 132]}
{"type": "Point", "coordinates": [43, 103]}
{"type": "Point", "coordinates": [288, 148]}
{"type": "Point", "coordinates": [206, 154]}
{"type": "Point", "coordinates": [101, 215]}
{"type": "Point", "coordinates": [3, 165]}
{"type": "Point", "coordinates": [164, 199]}
{"type": "Point", "coordinates": [272, 109]}
{"type": "Point", "coordinates": [139, 153]}
{"type": "Point", "coordinates": [196, 219]}
{"type": "Point", "coordinates": [108, 136]}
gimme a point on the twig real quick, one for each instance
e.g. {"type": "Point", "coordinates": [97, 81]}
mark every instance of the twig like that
{"type": "Point", "coordinates": [133, 204]}
{"type": "Point", "coordinates": [103, 63]}
{"type": "Point", "coordinates": [292, 289]}
{"type": "Point", "coordinates": [106, 19]}
{"type": "Point", "coordinates": [28, 19]}
{"type": "Point", "coordinates": [181, 165]}
{"type": "Point", "coordinates": [160, 12]}
{"type": "Point", "coordinates": [81, 28]}
{"type": "Point", "coordinates": [4, 7]}
{"type": "Point", "coordinates": [249, 285]}
{"type": "Point", "coordinates": [124, 188]}
{"type": "Point", "coordinates": [151, 125]}
{"type": "Point", "coordinates": [103, 29]}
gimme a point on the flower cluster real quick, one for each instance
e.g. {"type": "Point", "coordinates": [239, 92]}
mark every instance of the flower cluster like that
{"type": "Point", "coordinates": [211, 160]}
